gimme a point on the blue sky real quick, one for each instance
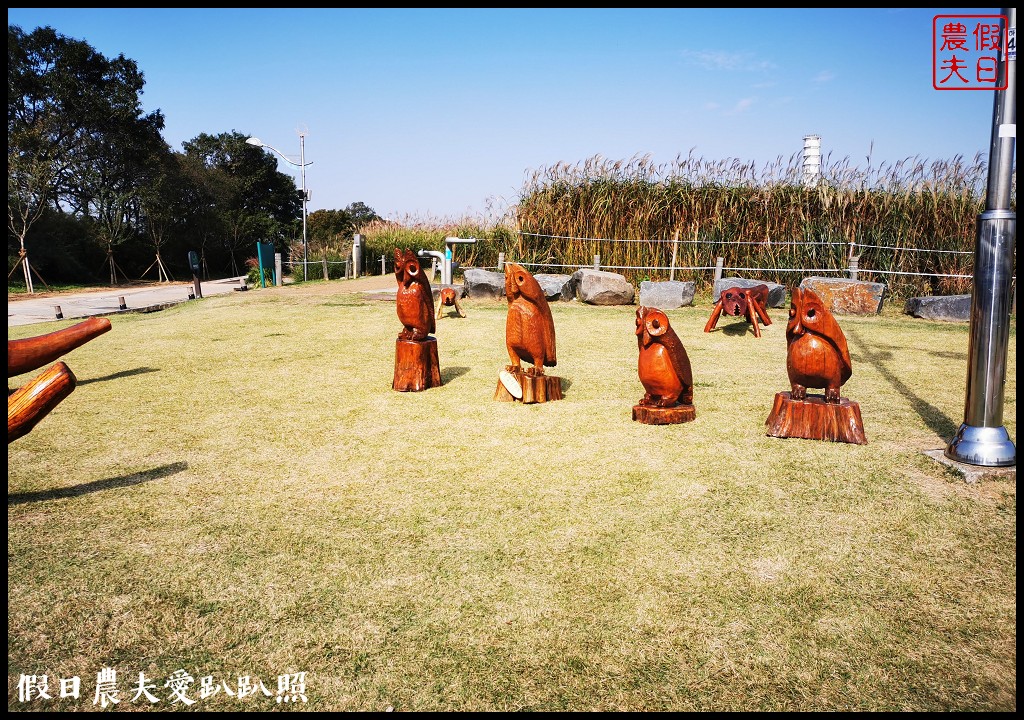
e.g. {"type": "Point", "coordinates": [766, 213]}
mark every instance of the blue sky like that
{"type": "Point", "coordinates": [445, 113]}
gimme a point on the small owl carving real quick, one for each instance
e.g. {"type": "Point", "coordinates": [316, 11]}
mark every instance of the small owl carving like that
{"type": "Point", "coordinates": [414, 300]}
{"type": "Point", "coordinates": [663, 365]}
{"type": "Point", "coordinates": [817, 355]}
{"type": "Point", "coordinates": [529, 327]}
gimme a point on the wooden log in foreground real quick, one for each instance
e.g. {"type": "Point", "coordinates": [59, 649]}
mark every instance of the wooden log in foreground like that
{"type": "Point", "coordinates": [32, 353]}
{"type": "Point", "coordinates": [30, 403]}
{"type": "Point", "coordinates": [814, 419]}
{"type": "Point", "coordinates": [416, 365]}
{"type": "Point", "coordinates": [535, 388]}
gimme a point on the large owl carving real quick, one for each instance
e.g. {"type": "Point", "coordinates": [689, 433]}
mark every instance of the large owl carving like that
{"type": "Point", "coordinates": [817, 356]}
{"type": "Point", "coordinates": [529, 327]}
{"type": "Point", "coordinates": [415, 300]}
{"type": "Point", "coordinates": [663, 366]}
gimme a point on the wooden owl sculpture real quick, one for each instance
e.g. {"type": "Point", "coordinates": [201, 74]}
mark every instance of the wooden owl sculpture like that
{"type": "Point", "coordinates": [663, 366]}
{"type": "Point", "coordinates": [817, 356]}
{"type": "Point", "coordinates": [415, 300]}
{"type": "Point", "coordinates": [529, 327]}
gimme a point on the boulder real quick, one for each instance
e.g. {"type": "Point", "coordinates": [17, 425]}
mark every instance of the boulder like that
{"type": "Point", "coordinates": [598, 287]}
{"type": "Point", "coordinates": [483, 284]}
{"type": "Point", "coordinates": [950, 308]}
{"type": "Point", "coordinates": [847, 297]}
{"type": "Point", "coordinates": [776, 292]}
{"type": "Point", "coordinates": [553, 285]}
{"type": "Point", "coordinates": [666, 295]}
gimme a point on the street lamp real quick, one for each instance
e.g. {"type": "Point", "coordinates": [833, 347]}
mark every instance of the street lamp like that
{"type": "Point", "coordinates": [301, 164]}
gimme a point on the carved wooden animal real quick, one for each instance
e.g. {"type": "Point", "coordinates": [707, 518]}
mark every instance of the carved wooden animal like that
{"type": "Point", "coordinates": [738, 301]}
{"type": "Point", "coordinates": [449, 298]}
{"type": "Point", "coordinates": [414, 300]}
{"type": "Point", "coordinates": [529, 327]}
{"type": "Point", "coordinates": [663, 365]}
{"type": "Point", "coordinates": [817, 355]}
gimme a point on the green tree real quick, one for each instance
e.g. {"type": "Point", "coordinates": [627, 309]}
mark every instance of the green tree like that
{"type": "Point", "coordinates": [256, 202]}
{"type": "Point", "coordinates": [328, 228]}
{"type": "Point", "coordinates": [361, 214]}
{"type": "Point", "coordinates": [167, 203]}
{"type": "Point", "coordinates": [68, 109]}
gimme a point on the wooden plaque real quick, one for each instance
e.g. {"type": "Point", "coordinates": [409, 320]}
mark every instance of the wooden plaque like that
{"type": "Point", "coordinates": [536, 388]}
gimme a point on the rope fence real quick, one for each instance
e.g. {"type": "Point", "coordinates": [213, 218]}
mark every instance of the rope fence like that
{"type": "Point", "coordinates": [852, 269]}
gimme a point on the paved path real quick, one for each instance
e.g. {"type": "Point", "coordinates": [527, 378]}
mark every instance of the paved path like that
{"type": "Point", "coordinates": [29, 309]}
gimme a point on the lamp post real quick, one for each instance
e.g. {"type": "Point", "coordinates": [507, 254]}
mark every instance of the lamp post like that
{"type": "Point", "coordinates": [301, 164]}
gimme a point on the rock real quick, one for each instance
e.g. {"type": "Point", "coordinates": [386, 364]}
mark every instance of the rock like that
{"type": "Point", "coordinates": [598, 287]}
{"type": "Point", "coordinates": [553, 285]}
{"type": "Point", "coordinates": [483, 284]}
{"type": "Point", "coordinates": [950, 308]}
{"type": "Point", "coordinates": [776, 292]}
{"type": "Point", "coordinates": [666, 295]}
{"type": "Point", "coordinates": [847, 297]}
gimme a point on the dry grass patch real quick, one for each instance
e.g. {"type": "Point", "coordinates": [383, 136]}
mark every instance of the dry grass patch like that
{"type": "Point", "coordinates": [234, 489]}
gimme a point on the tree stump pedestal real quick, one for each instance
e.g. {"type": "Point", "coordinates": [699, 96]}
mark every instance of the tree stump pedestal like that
{"type": "Point", "coordinates": [416, 365]}
{"type": "Point", "coordinates": [814, 419]}
{"type": "Point", "coordinates": [651, 415]}
{"type": "Point", "coordinates": [535, 388]}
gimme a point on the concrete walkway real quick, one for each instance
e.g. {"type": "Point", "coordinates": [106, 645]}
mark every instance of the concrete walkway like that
{"type": "Point", "coordinates": [40, 307]}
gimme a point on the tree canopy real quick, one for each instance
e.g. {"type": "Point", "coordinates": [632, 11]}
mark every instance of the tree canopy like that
{"type": "Point", "coordinates": [80, 144]}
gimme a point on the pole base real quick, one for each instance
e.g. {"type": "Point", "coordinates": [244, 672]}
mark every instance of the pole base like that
{"type": "Point", "coordinates": [985, 446]}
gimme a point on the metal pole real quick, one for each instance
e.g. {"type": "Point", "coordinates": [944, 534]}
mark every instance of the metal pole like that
{"type": "Point", "coordinates": [982, 439]}
{"type": "Point", "coordinates": [302, 164]}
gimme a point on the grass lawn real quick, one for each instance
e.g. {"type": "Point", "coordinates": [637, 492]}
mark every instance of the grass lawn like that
{"type": "Point", "coordinates": [234, 491]}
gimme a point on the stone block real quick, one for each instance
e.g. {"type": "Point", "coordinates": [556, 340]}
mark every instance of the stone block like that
{"type": "Point", "coordinates": [949, 308]}
{"type": "Point", "coordinates": [666, 295]}
{"type": "Point", "coordinates": [847, 297]}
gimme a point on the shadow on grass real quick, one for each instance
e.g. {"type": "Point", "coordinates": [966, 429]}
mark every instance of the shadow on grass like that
{"type": "Point", "coordinates": [450, 373]}
{"type": "Point", "coordinates": [940, 423]}
{"type": "Point", "coordinates": [736, 329]}
{"type": "Point", "coordinates": [115, 376]}
{"type": "Point", "coordinates": [98, 485]}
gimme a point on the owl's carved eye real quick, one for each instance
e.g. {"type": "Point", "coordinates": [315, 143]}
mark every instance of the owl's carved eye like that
{"type": "Point", "coordinates": [520, 279]}
{"type": "Point", "coordinates": [811, 312]}
{"type": "Point", "coordinates": [655, 324]}
{"type": "Point", "coordinates": [792, 312]}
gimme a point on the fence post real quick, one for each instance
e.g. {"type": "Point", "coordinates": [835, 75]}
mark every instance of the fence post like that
{"type": "Point", "coordinates": [501, 262]}
{"type": "Point", "coordinates": [357, 255]}
{"type": "Point", "coordinates": [326, 276]}
{"type": "Point", "coordinates": [597, 262]}
{"type": "Point", "coordinates": [719, 262]}
{"type": "Point", "coordinates": [382, 270]}
{"type": "Point", "coordinates": [854, 263]}
{"type": "Point", "coordinates": [278, 280]}
{"type": "Point", "coordinates": [675, 246]}
{"type": "Point", "coordinates": [57, 312]}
